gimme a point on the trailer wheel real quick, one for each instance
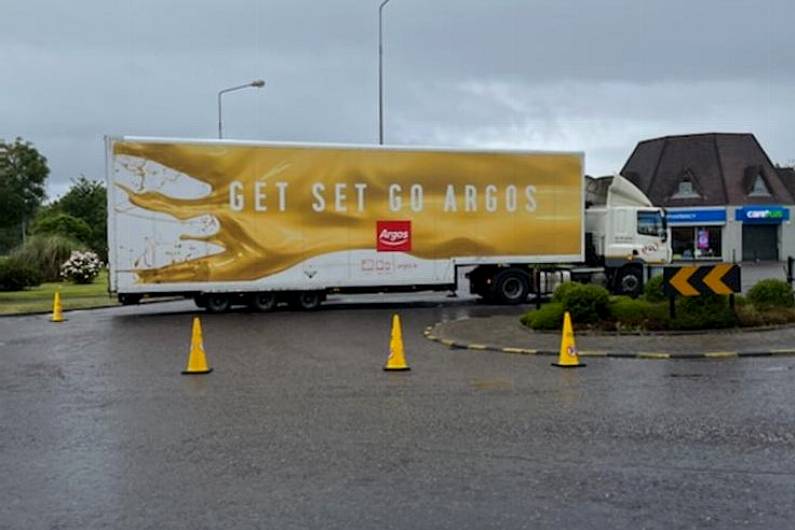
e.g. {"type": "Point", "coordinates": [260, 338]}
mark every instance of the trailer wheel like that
{"type": "Point", "coordinates": [630, 282]}
{"type": "Point", "coordinates": [129, 299]}
{"type": "Point", "coordinates": [307, 300]}
{"type": "Point", "coordinates": [262, 301]}
{"type": "Point", "coordinates": [216, 303]}
{"type": "Point", "coordinates": [511, 287]}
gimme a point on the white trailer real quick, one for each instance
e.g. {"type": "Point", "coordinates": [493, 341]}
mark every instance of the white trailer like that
{"type": "Point", "coordinates": [229, 222]}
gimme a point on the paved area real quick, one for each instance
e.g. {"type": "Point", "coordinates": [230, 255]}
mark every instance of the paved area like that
{"type": "Point", "coordinates": [753, 272]}
{"type": "Point", "coordinates": [505, 331]}
{"type": "Point", "coordinates": [298, 427]}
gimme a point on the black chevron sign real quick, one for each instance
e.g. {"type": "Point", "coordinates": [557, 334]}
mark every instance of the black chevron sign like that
{"type": "Point", "coordinates": [723, 278]}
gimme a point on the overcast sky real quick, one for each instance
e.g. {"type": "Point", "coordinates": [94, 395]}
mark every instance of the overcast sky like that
{"type": "Point", "coordinates": [580, 75]}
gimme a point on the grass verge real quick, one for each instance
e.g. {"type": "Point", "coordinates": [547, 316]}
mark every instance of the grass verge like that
{"type": "Point", "coordinates": [73, 296]}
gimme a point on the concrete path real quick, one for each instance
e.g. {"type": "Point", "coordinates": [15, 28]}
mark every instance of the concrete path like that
{"type": "Point", "coordinates": [503, 332]}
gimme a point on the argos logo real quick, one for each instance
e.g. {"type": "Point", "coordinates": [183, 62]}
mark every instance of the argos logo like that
{"type": "Point", "coordinates": [393, 236]}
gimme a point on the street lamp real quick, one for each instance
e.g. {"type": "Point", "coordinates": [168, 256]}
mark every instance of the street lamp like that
{"type": "Point", "coordinates": [259, 83]}
{"type": "Point", "coordinates": [381, 75]}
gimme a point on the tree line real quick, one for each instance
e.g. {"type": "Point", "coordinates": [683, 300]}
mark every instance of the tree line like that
{"type": "Point", "coordinates": [39, 234]}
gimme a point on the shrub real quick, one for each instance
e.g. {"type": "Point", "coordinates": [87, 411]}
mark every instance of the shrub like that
{"type": "Point", "coordinates": [550, 316]}
{"type": "Point", "coordinates": [748, 316]}
{"type": "Point", "coordinates": [653, 290]}
{"type": "Point", "coordinates": [587, 303]}
{"type": "Point", "coordinates": [81, 267]}
{"type": "Point", "coordinates": [692, 313]}
{"type": "Point", "coordinates": [637, 313]}
{"type": "Point", "coordinates": [16, 275]}
{"type": "Point", "coordinates": [562, 291]}
{"type": "Point", "coordinates": [771, 293]}
{"type": "Point", "coordinates": [740, 300]}
{"type": "Point", "coordinates": [64, 225]}
{"type": "Point", "coordinates": [46, 254]}
{"type": "Point", "coordinates": [703, 312]}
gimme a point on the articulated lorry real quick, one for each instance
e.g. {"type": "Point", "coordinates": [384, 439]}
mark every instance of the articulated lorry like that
{"type": "Point", "coordinates": [230, 222]}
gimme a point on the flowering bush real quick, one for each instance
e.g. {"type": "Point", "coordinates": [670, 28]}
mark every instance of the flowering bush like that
{"type": "Point", "coordinates": [81, 267]}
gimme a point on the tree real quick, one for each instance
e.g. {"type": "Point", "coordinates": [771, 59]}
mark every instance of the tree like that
{"type": "Point", "coordinates": [23, 173]}
{"type": "Point", "coordinates": [87, 200]}
{"type": "Point", "coordinates": [54, 222]}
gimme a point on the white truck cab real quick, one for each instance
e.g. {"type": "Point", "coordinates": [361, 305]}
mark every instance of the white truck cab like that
{"type": "Point", "coordinates": [624, 232]}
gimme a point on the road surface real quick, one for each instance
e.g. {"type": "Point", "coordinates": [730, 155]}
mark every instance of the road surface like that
{"type": "Point", "coordinates": [299, 427]}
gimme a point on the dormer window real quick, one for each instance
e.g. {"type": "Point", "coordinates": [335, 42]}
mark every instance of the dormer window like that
{"type": "Point", "coordinates": [759, 188]}
{"type": "Point", "coordinates": [686, 190]}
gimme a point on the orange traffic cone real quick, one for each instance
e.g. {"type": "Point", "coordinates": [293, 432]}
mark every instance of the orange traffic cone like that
{"type": "Point", "coordinates": [197, 360]}
{"type": "Point", "coordinates": [568, 357]}
{"type": "Point", "coordinates": [396, 362]}
{"type": "Point", "coordinates": [57, 308]}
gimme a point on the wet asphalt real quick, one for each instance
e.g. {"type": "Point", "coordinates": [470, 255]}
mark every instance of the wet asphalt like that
{"type": "Point", "coordinates": [299, 427]}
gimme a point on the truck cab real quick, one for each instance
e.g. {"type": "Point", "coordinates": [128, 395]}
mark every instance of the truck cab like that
{"type": "Point", "coordinates": [624, 232]}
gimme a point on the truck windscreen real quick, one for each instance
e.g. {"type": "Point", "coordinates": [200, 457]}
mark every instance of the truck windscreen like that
{"type": "Point", "coordinates": [651, 223]}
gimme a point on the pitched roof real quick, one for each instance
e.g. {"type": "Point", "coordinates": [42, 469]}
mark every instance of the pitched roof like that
{"type": "Point", "coordinates": [721, 166]}
{"type": "Point", "coordinates": [787, 176]}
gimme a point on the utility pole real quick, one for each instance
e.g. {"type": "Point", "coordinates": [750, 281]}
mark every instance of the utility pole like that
{"type": "Point", "coordinates": [381, 73]}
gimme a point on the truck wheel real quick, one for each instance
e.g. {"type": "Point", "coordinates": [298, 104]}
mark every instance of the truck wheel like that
{"type": "Point", "coordinates": [307, 300]}
{"type": "Point", "coordinates": [630, 282]}
{"type": "Point", "coordinates": [262, 301]}
{"type": "Point", "coordinates": [129, 299]}
{"type": "Point", "coordinates": [216, 302]}
{"type": "Point", "coordinates": [511, 287]}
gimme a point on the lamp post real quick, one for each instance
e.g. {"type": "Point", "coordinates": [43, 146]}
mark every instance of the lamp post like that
{"type": "Point", "coordinates": [381, 74]}
{"type": "Point", "coordinates": [259, 83]}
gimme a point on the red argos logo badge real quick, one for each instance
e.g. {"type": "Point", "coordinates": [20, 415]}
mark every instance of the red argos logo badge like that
{"type": "Point", "coordinates": [393, 236]}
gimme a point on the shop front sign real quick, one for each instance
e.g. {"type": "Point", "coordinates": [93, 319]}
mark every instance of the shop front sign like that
{"type": "Point", "coordinates": [762, 214]}
{"type": "Point", "coordinates": [692, 217]}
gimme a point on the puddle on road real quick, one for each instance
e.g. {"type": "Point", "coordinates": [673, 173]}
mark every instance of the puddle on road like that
{"type": "Point", "coordinates": [777, 368]}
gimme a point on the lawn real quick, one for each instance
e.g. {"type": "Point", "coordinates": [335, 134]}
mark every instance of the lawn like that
{"type": "Point", "coordinates": [73, 296]}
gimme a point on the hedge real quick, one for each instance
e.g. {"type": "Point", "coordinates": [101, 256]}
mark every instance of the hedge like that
{"type": "Point", "coordinates": [16, 275]}
{"type": "Point", "coordinates": [550, 316]}
{"type": "Point", "coordinates": [771, 293]}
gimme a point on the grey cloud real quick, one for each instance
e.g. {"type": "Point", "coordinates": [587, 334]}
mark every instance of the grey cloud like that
{"type": "Point", "coordinates": [579, 75]}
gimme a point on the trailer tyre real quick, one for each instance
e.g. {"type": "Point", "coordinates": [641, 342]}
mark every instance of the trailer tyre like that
{"type": "Point", "coordinates": [129, 299]}
{"type": "Point", "coordinates": [630, 282]}
{"type": "Point", "coordinates": [262, 301]}
{"type": "Point", "coordinates": [511, 287]}
{"type": "Point", "coordinates": [216, 303]}
{"type": "Point", "coordinates": [307, 300]}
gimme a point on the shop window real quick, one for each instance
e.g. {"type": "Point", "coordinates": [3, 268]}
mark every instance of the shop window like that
{"type": "Point", "coordinates": [682, 242]}
{"type": "Point", "coordinates": [759, 188]}
{"type": "Point", "coordinates": [708, 242]}
{"type": "Point", "coordinates": [696, 242]}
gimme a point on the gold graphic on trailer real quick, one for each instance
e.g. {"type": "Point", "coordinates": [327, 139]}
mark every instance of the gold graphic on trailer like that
{"type": "Point", "coordinates": [261, 243]}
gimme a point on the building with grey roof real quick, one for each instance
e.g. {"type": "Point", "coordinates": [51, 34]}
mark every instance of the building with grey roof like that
{"type": "Point", "coordinates": [725, 199]}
